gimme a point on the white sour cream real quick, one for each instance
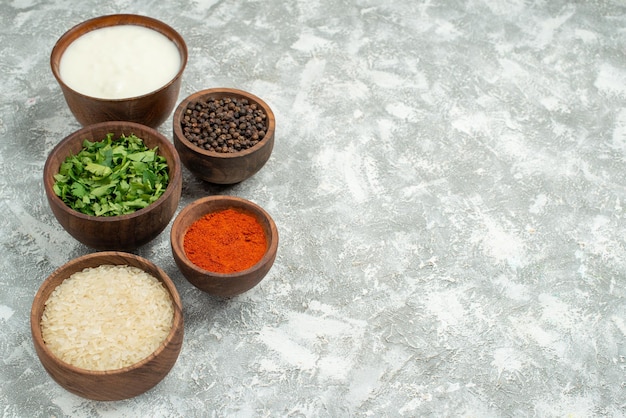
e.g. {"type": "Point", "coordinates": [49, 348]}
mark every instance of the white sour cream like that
{"type": "Point", "coordinates": [119, 62]}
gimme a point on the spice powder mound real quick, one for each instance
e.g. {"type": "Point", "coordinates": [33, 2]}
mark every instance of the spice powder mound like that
{"type": "Point", "coordinates": [226, 241]}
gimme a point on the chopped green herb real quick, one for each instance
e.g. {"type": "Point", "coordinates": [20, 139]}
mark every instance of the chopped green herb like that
{"type": "Point", "coordinates": [112, 177]}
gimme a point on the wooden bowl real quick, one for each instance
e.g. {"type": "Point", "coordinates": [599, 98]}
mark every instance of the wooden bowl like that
{"type": "Point", "coordinates": [116, 384]}
{"type": "Point", "coordinates": [150, 109]}
{"type": "Point", "coordinates": [222, 284]}
{"type": "Point", "coordinates": [123, 232]}
{"type": "Point", "coordinates": [217, 167]}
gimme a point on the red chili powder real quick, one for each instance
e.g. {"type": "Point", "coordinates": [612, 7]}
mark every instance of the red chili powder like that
{"type": "Point", "coordinates": [226, 241]}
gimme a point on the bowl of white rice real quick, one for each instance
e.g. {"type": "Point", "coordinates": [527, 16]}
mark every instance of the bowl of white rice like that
{"type": "Point", "coordinates": [107, 325]}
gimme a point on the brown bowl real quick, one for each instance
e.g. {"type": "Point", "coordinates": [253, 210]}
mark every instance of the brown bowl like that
{"type": "Point", "coordinates": [150, 109]}
{"type": "Point", "coordinates": [123, 232]}
{"type": "Point", "coordinates": [222, 284]}
{"type": "Point", "coordinates": [217, 167]}
{"type": "Point", "coordinates": [116, 384]}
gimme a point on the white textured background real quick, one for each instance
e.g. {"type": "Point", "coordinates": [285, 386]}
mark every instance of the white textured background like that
{"type": "Point", "coordinates": [448, 181]}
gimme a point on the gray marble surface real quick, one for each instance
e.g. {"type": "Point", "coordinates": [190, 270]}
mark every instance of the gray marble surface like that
{"type": "Point", "coordinates": [448, 182]}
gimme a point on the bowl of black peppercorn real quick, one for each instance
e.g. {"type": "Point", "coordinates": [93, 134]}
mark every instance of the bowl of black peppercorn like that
{"type": "Point", "coordinates": [223, 135]}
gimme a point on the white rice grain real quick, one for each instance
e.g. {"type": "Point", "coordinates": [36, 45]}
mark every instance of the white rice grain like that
{"type": "Point", "coordinates": [107, 317]}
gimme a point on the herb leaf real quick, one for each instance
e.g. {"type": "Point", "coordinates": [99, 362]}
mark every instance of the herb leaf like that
{"type": "Point", "coordinates": [98, 170]}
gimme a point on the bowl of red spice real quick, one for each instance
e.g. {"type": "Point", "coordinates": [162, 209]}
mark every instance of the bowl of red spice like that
{"type": "Point", "coordinates": [224, 245]}
{"type": "Point", "coordinates": [223, 135]}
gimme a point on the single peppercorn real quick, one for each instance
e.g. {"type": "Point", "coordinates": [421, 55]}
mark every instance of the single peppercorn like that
{"type": "Point", "coordinates": [224, 125]}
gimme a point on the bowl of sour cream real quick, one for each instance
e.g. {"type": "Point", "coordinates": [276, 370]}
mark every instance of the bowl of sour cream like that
{"type": "Point", "coordinates": [120, 67]}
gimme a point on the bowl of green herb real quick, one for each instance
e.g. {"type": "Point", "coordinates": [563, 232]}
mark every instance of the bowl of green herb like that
{"type": "Point", "coordinates": [113, 185]}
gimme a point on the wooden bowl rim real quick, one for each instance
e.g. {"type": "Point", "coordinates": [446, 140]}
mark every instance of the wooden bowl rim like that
{"type": "Point", "coordinates": [222, 91]}
{"type": "Point", "coordinates": [177, 234]}
{"type": "Point", "coordinates": [104, 21]}
{"type": "Point", "coordinates": [175, 167]}
{"type": "Point", "coordinates": [177, 320]}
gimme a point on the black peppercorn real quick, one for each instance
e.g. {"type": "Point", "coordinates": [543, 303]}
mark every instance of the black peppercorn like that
{"type": "Point", "coordinates": [224, 125]}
